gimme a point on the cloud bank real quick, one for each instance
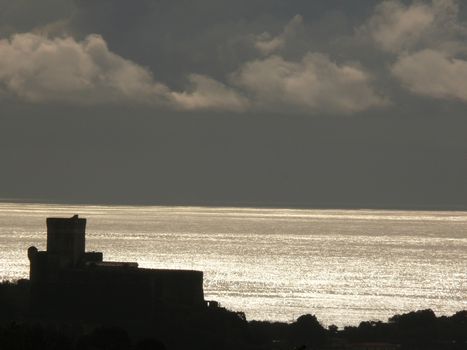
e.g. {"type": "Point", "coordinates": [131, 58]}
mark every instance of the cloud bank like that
{"type": "Point", "coordinates": [313, 84]}
{"type": "Point", "coordinates": [430, 45]}
{"type": "Point", "coordinates": [39, 69]}
{"type": "Point", "coordinates": [42, 70]}
{"type": "Point", "coordinates": [433, 73]}
{"type": "Point", "coordinates": [396, 27]}
{"type": "Point", "coordinates": [238, 66]}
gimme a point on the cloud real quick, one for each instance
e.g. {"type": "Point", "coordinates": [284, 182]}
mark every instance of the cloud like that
{"type": "Point", "coordinates": [314, 84]}
{"type": "Point", "coordinates": [267, 44]}
{"type": "Point", "coordinates": [397, 27]}
{"type": "Point", "coordinates": [181, 55]}
{"type": "Point", "coordinates": [38, 69]}
{"type": "Point", "coordinates": [429, 43]}
{"type": "Point", "coordinates": [434, 74]}
{"type": "Point", "coordinates": [207, 93]}
{"type": "Point", "coordinates": [49, 65]}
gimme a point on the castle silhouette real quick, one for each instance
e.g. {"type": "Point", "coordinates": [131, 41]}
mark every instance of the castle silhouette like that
{"type": "Point", "coordinates": [68, 282]}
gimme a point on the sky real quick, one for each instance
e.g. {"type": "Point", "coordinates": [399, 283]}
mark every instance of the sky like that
{"type": "Point", "coordinates": [320, 104]}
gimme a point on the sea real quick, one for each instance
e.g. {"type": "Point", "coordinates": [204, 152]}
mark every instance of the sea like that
{"type": "Point", "coordinates": [344, 266]}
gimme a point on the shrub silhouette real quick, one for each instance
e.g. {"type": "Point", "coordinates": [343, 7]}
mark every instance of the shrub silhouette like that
{"type": "Point", "coordinates": [105, 338]}
{"type": "Point", "coordinates": [150, 344]}
{"type": "Point", "coordinates": [308, 331]}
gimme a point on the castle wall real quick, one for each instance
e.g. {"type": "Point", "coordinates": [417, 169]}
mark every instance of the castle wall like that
{"type": "Point", "coordinates": [131, 293]}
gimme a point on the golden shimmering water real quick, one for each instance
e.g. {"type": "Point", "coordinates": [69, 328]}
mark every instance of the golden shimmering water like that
{"type": "Point", "coordinates": [344, 266]}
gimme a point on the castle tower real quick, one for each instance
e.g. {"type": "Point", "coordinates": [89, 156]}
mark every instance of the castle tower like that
{"type": "Point", "coordinates": [66, 240]}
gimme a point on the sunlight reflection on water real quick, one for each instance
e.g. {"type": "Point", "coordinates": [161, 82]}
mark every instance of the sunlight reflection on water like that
{"type": "Point", "coordinates": [345, 266]}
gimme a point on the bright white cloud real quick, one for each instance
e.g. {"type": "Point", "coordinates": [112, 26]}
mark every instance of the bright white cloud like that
{"type": "Point", "coordinates": [314, 84]}
{"type": "Point", "coordinates": [429, 41]}
{"type": "Point", "coordinates": [39, 69]}
{"type": "Point", "coordinates": [207, 93]}
{"type": "Point", "coordinates": [431, 73]}
{"type": "Point", "coordinates": [396, 27]}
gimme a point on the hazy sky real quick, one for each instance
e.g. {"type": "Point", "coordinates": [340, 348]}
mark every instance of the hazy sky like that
{"type": "Point", "coordinates": [330, 103]}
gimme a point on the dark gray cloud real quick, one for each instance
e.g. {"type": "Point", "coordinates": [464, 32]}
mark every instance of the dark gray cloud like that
{"type": "Point", "coordinates": [137, 156]}
{"type": "Point", "coordinates": [206, 37]}
{"type": "Point", "coordinates": [25, 15]}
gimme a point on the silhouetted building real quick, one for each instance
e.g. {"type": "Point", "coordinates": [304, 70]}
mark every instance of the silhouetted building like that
{"type": "Point", "coordinates": [67, 281]}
